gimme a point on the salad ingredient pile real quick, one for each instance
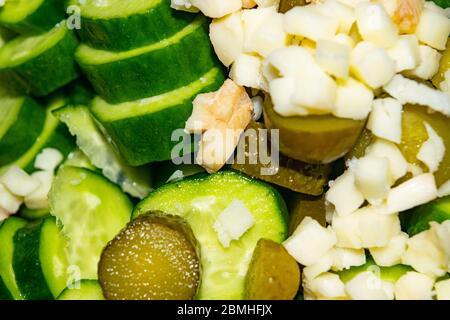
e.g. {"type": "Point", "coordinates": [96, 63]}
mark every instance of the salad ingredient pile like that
{"type": "Point", "coordinates": [224, 149]}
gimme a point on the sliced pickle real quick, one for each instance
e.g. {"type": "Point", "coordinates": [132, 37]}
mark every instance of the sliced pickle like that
{"type": "Point", "coordinates": [359, 149]}
{"type": "Point", "coordinates": [273, 274]}
{"type": "Point", "coordinates": [286, 5]}
{"type": "Point", "coordinates": [291, 174]}
{"type": "Point", "coordinates": [443, 66]}
{"type": "Point", "coordinates": [313, 139]}
{"type": "Point", "coordinates": [414, 134]}
{"type": "Point", "coordinates": [153, 258]}
{"type": "Point", "coordinates": [301, 206]}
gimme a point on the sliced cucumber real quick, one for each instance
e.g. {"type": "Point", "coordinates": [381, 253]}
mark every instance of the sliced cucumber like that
{"type": "Point", "coordinates": [92, 211]}
{"type": "Point", "coordinates": [40, 64]}
{"type": "Point", "coordinates": [141, 130]}
{"type": "Point", "coordinates": [200, 200]}
{"type": "Point", "coordinates": [133, 180]}
{"type": "Point", "coordinates": [17, 132]}
{"type": "Point", "coordinates": [151, 70]}
{"type": "Point", "coordinates": [122, 25]}
{"type": "Point", "coordinates": [40, 262]}
{"type": "Point", "coordinates": [7, 231]}
{"type": "Point", "coordinates": [83, 290]}
{"type": "Point", "coordinates": [418, 219]}
{"type": "Point", "coordinates": [31, 16]}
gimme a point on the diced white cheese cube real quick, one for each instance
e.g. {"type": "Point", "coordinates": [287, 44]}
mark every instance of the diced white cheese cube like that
{"type": "Point", "coordinates": [347, 231]}
{"type": "Point", "coordinates": [323, 265]}
{"type": "Point", "coordinates": [308, 22]}
{"type": "Point", "coordinates": [344, 194]}
{"type": "Point", "coordinates": [375, 25]}
{"type": "Point", "coordinates": [353, 100]}
{"type": "Point", "coordinates": [429, 63]}
{"type": "Point", "coordinates": [335, 9]}
{"type": "Point", "coordinates": [442, 289]}
{"type": "Point", "coordinates": [315, 91]}
{"type": "Point", "coordinates": [258, 105]}
{"type": "Point", "coordinates": [409, 91]}
{"type": "Point", "coordinates": [433, 29]}
{"type": "Point", "coordinates": [344, 39]}
{"type": "Point", "coordinates": [442, 234]}
{"type": "Point", "coordinates": [39, 198]}
{"type": "Point", "coordinates": [49, 159]}
{"type": "Point", "coordinates": [385, 121]}
{"type": "Point", "coordinates": [391, 254]}
{"type": "Point", "coordinates": [281, 91]}
{"type": "Point", "coordinates": [397, 163]}
{"type": "Point", "coordinates": [346, 258]}
{"type": "Point", "coordinates": [227, 37]}
{"type": "Point", "coordinates": [405, 53]}
{"type": "Point", "coordinates": [444, 189]}
{"type": "Point", "coordinates": [18, 182]}
{"type": "Point", "coordinates": [217, 8]}
{"type": "Point", "coordinates": [377, 230]}
{"type": "Point", "coordinates": [233, 222]}
{"type": "Point", "coordinates": [333, 57]}
{"type": "Point", "coordinates": [425, 255]}
{"type": "Point", "coordinates": [372, 178]}
{"type": "Point", "coordinates": [432, 151]}
{"type": "Point", "coordinates": [289, 62]}
{"type": "Point", "coordinates": [412, 193]}
{"type": "Point", "coordinates": [368, 286]}
{"type": "Point", "coordinates": [246, 71]}
{"type": "Point", "coordinates": [8, 201]}
{"type": "Point", "coordinates": [310, 242]}
{"type": "Point", "coordinates": [327, 286]}
{"type": "Point", "coordinates": [414, 286]}
{"type": "Point", "coordinates": [371, 64]}
{"type": "Point", "coordinates": [264, 36]}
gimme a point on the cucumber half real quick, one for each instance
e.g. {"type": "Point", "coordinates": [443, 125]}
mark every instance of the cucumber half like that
{"type": "Point", "coordinates": [200, 200]}
{"type": "Point", "coordinates": [133, 180]}
{"type": "Point", "coordinates": [92, 211]}
{"type": "Point", "coordinates": [123, 25]}
{"type": "Point", "coordinates": [151, 70]}
{"type": "Point", "coordinates": [141, 130]}
{"type": "Point", "coordinates": [83, 290]}
{"type": "Point", "coordinates": [7, 276]}
{"type": "Point", "coordinates": [31, 16]}
{"type": "Point", "coordinates": [39, 260]}
{"type": "Point", "coordinates": [40, 64]}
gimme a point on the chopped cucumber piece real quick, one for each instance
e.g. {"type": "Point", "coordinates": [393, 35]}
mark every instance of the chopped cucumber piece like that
{"type": "Point", "coordinates": [83, 290]}
{"type": "Point", "coordinates": [7, 231]}
{"type": "Point", "coordinates": [133, 180]}
{"type": "Point", "coordinates": [200, 200]}
{"type": "Point", "coordinates": [39, 260]}
{"type": "Point", "coordinates": [142, 130]}
{"type": "Point", "coordinates": [92, 211]}
{"type": "Point", "coordinates": [39, 64]}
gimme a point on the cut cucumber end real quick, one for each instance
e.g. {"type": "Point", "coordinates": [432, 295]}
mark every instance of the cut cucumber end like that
{"type": "Point", "coordinates": [83, 290]}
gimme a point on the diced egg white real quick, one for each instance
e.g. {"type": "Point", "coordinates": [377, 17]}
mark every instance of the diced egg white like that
{"type": "Point", "coordinates": [368, 286]}
{"type": "Point", "coordinates": [344, 194]}
{"type": "Point", "coordinates": [327, 286]}
{"type": "Point", "coordinates": [405, 53]}
{"type": "Point", "coordinates": [233, 222]}
{"type": "Point", "coordinates": [442, 235]}
{"type": "Point", "coordinates": [433, 29]}
{"type": "Point", "coordinates": [48, 160]}
{"type": "Point", "coordinates": [392, 253]}
{"type": "Point", "coordinates": [335, 9]}
{"type": "Point", "coordinates": [289, 62]}
{"type": "Point", "coordinates": [323, 265]}
{"type": "Point", "coordinates": [347, 231]}
{"type": "Point", "coordinates": [429, 63]}
{"type": "Point", "coordinates": [39, 198]}
{"type": "Point", "coordinates": [444, 189]}
{"type": "Point", "coordinates": [333, 57]}
{"type": "Point", "coordinates": [346, 258]}
{"type": "Point", "coordinates": [377, 230]}
{"type": "Point", "coordinates": [246, 71]}
{"type": "Point", "coordinates": [281, 91]}
{"type": "Point", "coordinates": [344, 39]}
{"type": "Point", "coordinates": [353, 100]}
{"type": "Point", "coordinates": [432, 151]}
{"type": "Point", "coordinates": [414, 286]}
{"type": "Point", "coordinates": [9, 202]}
{"type": "Point", "coordinates": [385, 121]}
{"type": "Point", "coordinates": [18, 182]}
{"type": "Point", "coordinates": [310, 242]}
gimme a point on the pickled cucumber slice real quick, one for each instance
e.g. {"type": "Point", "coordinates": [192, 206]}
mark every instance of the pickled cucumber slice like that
{"type": "Point", "coordinates": [301, 206]}
{"type": "Point", "coordinates": [313, 139]}
{"type": "Point", "coordinates": [273, 274]}
{"type": "Point", "coordinates": [154, 258]}
{"type": "Point", "coordinates": [286, 5]}
{"type": "Point", "coordinates": [443, 67]}
{"type": "Point", "coordinates": [359, 149]}
{"type": "Point", "coordinates": [288, 173]}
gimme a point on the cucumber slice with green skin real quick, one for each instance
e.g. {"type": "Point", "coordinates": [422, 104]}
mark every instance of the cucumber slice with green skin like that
{"type": "Point", "coordinates": [133, 180]}
{"type": "Point", "coordinates": [83, 290]}
{"type": "Point", "coordinates": [418, 219]}
{"type": "Point", "coordinates": [4, 292]}
{"type": "Point", "coordinates": [7, 231]}
{"type": "Point", "coordinates": [200, 200]}
{"type": "Point", "coordinates": [142, 130]}
{"type": "Point", "coordinates": [151, 70]}
{"type": "Point", "coordinates": [17, 132]}
{"type": "Point", "coordinates": [39, 260]}
{"type": "Point", "coordinates": [92, 211]}
{"type": "Point", "coordinates": [30, 214]}
{"type": "Point", "coordinates": [39, 65]}
{"type": "Point", "coordinates": [31, 16]}
{"type": "Point", "coordinates": [121, 25]}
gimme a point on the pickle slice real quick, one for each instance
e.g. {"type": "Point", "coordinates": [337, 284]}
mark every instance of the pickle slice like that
{"type": "Point", "coordinates": [154, 258]}
{"type": "Point", "coordinates": [313, 139]}
{"type": "Point", "coordinates": [301, 206]}
{"type": "Point", "coordinates": [288, 173]}
{"type": "Point", "coordinates": [273, 274]}
{"type": "Point", "coordinates": [359, 149]}
{"type": "Point", "coordinates": [443, 67]}
{"type": "Point", "coordinates": [286, 5]}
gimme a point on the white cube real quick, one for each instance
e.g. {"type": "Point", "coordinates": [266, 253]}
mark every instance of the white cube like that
{"type": "Point", "coordinates": [246, 71]}
{"type": "Point", "coordinates": [289, 62]}
{"type": "Point", "coordinates": [353, 100]}
{"type": "Point", "coordinates": [377, 230]}
{"type": "Point", "coordinates": [433, 29]}
{"type": "Point", "coordinates": [39, 198]}
{"type": "Point", "coordinates": [346, 258]}
{"type": "Point", "coordinates": [281, 91]}
{"type": "Point", "coordinates": [344, 194]}
{"type": "Point", "coordinates": [429, 63]}
{"type": "Point", "coordinates": [18, 182]}
{"type": "Point", "coordinates": [368, 286]}
{"type": "Point", "coordinates": [414, 286]}
{"type": "Point", "coordinates": [405, 53]}
{"type": "Point", "coordinates": [327, 286]}
{"type": "Point", "coordinates": [432, 151]}
{"type": "Point", "coordinates": [385, 121]}
{"type": "Point", "coordinates": [333, 57]}
{"type": "Point", "coordinates": [8, 201]}
{"type": "Point", "coordinates": [391, 254]}
{"type": "Point", "coordinates": [335, 9]}
{"type": "Point", "coordinates": [347, 231]}
{"type": "Point", "coordinates": [48, 159]}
